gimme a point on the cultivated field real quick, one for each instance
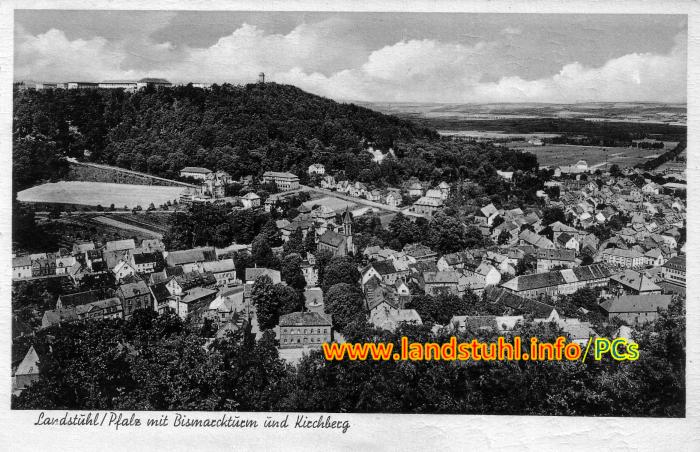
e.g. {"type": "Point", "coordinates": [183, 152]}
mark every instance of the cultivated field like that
{"type": "Point", "coordinates": [565, 154]}
{"type": "Point", "coordinates": [100, 193]}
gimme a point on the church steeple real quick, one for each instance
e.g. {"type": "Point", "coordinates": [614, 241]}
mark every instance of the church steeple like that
{"type": "Point", "coordinates": [347, 223]}
{"type": "Point", "coordinates": [347, 231]}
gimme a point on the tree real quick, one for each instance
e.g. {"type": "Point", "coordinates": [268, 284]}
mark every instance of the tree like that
{"type": "Point", "coordinates": [266, 302]}
{"type": "Point", "coordinates": [290, 300]}
{"type": "Point", "coordinates": [295, 244]}
{"type": "Point", "coordinates": [403, 229]}
{"type": "Point", "coordinates": [345, 303]}
{"type": "Point", "coordinates": [446, 234]}
{"type": "Point", "coordinates": [340, 269]}
{"type": "Point", "coordinates": [504, 237]}
{"type": "Point", "coordinates": [272, 232]}
{"type": "Point", "coordinates": [262, 253]}
{"type": "Point", "coordinates": [292, 273]}
{"type": "Point", "coordinates": [615, 170]}
{"type": "Point", "coordinates": [310, 242]}
{"type": "Point", "coordinates": [323, 258]}
{"type": "Point", "coordinates": [242, 260]}
{"type": "Point", "coordinates": [552, 215]}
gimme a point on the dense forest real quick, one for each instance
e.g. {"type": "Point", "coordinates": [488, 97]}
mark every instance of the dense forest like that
{"type": "Point", "coordinates": [244, 130]}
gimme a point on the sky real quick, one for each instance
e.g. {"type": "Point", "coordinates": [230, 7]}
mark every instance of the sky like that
{"type": "Point", "coordinates": [372, 57]}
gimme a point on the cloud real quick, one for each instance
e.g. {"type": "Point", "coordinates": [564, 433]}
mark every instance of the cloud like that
{"type": "Point", "coordinates": [511, 31]}
{"type": "Point", "coordinates": [324, 58]}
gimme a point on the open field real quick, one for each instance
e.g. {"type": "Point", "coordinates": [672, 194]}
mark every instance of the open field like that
{"type": "Point", "coordinates": [331, 202]}
{"type": "Point", "coordinates": [565, 154]}
{"type": "Point", "coordinates": [100, 193]}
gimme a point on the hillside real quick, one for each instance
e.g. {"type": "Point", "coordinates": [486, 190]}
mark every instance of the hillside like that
{"type": "Point", "coordinates": [239, 129]}
{"type": "Point", "coordinates": [244, 130]}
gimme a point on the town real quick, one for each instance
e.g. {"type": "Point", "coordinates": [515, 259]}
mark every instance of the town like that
{"type": "Point", "coordinates": [616, 236]}
{"type": "Point", "coordinates": [221, 234]}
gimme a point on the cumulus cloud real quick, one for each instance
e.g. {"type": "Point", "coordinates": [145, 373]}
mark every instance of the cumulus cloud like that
{"type": "Point", "coordinates": [320, 59]}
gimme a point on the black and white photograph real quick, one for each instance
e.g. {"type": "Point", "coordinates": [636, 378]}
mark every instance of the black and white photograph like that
{"type": "Point", "coordinates": [314, 214]}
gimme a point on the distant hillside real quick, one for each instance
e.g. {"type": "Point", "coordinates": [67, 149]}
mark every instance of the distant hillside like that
{"type": "Point", "coordinates": [240, 129]}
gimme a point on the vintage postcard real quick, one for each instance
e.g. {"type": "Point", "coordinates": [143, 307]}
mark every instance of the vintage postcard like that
{"type": "Point", "coordinates": [349, 228]}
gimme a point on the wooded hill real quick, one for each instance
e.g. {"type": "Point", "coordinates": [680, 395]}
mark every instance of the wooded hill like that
{"type": "Point", "coordinates": [239, 129]}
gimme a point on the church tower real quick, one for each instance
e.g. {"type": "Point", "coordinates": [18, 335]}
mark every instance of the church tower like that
{"type": "Point", "coordinates": [347, 231]}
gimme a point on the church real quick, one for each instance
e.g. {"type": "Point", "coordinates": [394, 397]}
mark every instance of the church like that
{"type": "Point", "coordinates": [339, 244]}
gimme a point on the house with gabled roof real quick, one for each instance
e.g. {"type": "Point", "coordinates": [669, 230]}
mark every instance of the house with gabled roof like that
{"type": "Point", "coordinates": [567, 241]}
{"type": "Point", "coordinates": [454, 261]}
{"type": "Point", "coordinates": [559, 282]}
{"type": "Point", "coordinates": [528, 237]}
{"type": "Point", "coordinates": [548, 259]}
{"type": "Point", "coordinates": [441, 282]}
{"type": "Point", "coordinates": [633, 283]}
{"type": "Point", "coordinates": [190, 259]}
{"type": "Point", "coordinates": [636, 309]}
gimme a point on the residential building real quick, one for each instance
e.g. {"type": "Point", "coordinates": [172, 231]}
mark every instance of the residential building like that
{"type": "Point", "coordinates": [674, 270]}
{"type": "Point", "coordinates": [441, 282]}
{"type": "Point", "coordinates": [636, 309]}
{"type": "Point", "coordinates": [623, 258]}
{"type": "Point", "coordinates": [284, 181]}
{"type": "Point", "coordinates": [76, 299]}
{"type": "Point", "coordinates": [190, 259]}
{"type": "Point", "coordinates": [195, 172]}
{"type": "Point", "coordinates": [192, 302]}
{"type": "Point", "coordinates": [317, 168]}
{"type": "Point", "coordinates": [110, 308]}
{"type": "Point", "coordinates": [389, 318]}
{"type": "Point", "coordinates": [146, 262]}
{"type": "Point", "coordinates": [133, 296]}
{"type": "Point", "coordinates": [393, 199]}
{"type": "Point", "coordinates": [560, 282]}
{"type": "Point", "coordinates": [224, 271]}
{"type": "Point", "coordinates": [633, 283]}
{"type": "Point", "coordinates": [454, 261]}
{"type": "Point", "coordinates": [527, 237]}
{"type": "Point", "coordinates": [229, 303]}
{"type": "Point", "coordinates": [27, 372]}
{"type": "Point", "coordinates": [21, 267]}
{"type": "Point", "coordinates": [250, 200]}
{"type": "Point", "coordinates": [548, 259]}
{"type": "Point", "coordinates": [305, 329]}
{"type": "Point", "coordinates": [428, 205]}
{"type": "Point", "coordinates": [567, 241]}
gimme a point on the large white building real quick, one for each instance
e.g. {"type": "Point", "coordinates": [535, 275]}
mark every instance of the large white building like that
{"type": "Point", "coordinates": [284, 181]}
{"type": "Point", "coordinates": [317, 168]}
{"type": "Point", "coordinates": [195, 172]}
